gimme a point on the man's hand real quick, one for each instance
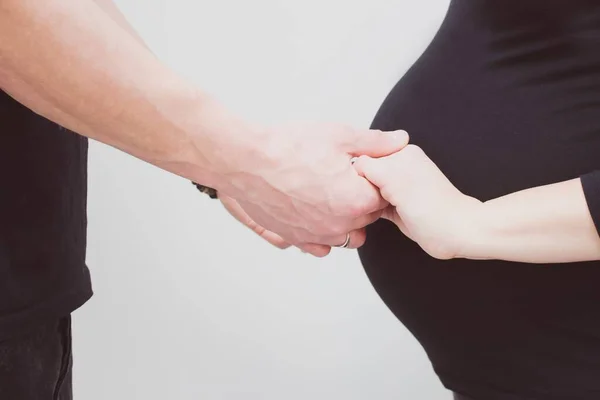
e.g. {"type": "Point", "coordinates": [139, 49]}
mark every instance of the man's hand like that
{"type": "Point", "coordinates": [295, 181]}
{"type": "Point", "coordinates": [234, 208]}
{"type": "Point", "coordinates": [298, 181]}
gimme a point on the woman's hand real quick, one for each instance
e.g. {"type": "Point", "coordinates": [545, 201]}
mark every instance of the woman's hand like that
{"type": "Point", "coordinates": [424, 203]}
{"type": "Point", "coordinates": [544, 224]}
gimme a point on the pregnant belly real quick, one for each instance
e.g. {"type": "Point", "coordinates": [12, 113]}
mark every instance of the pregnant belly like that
{"type": "Point", "coordinates": [489, 141]}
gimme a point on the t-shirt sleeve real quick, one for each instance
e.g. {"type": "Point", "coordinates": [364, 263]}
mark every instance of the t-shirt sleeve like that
{"type": "Point", "coordinates": [591, 189]}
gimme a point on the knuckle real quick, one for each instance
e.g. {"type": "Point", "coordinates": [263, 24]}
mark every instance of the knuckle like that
{"type": "Point", "coordinates": [252, 225]}
{"type": "Point", "coordinates": [362, 205]}
{"type": "Point", "coordinates": [371, 204]}
{"type": "Point", "coordinates": [356, 210]}
{"type": "Point", "coordinates": [293, 237]}
{"type": "Point", "coordinates": [318, 231]}
{"type": "Point", "coordinates": [298, 237]}
{"type": "Point", "coordinates": [337, 229]}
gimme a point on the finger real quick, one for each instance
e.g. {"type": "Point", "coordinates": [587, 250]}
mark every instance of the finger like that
{"type": "Point", "coordinates": [317, 250]}
{"type": "Point", "coordinates": [357, 239]}
{"type": "Point", "coordinates": [335, 238]}
{"type": "Point", "coordinates": [240, 215]}
{"type": "Point", "coordinates": [272, 238]}
{"type": "Point", "coordinates": [368, 197]}
{"type": "Point", "coordinates": [233, 207]}
{"type": "Point", "coordinates": [357, 197]}
{"type": "Point", "coordinates": [377, 143]}
{"type": "Point", "coordinates": [387, 174]}
{"type": "Point", "coordinates": [390, 214]}
{"type": "Point", "coordinates": [401, 175]}
{"type": "Point", "coordinates": [368, 219]}
{"type": "Point", "coordinates": [373, 170]}
{"type": "Point", "coordinates": [269, 236]}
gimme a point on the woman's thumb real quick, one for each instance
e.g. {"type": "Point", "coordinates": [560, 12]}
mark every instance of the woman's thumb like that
{"type": "Point", "coordinates": [371, 169]}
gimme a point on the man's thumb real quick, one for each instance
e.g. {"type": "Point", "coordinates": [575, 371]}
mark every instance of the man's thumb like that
{"type": "Point", "coordinates": [379, 144]}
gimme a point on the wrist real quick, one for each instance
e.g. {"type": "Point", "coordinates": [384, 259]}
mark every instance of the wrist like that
{"type": "Point", "coordinates": [479, 233]}
{"type": "Point", "coordinates": [226, 149]}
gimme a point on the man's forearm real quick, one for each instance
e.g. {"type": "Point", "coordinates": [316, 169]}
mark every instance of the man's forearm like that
{"type": "Point", "coordinates": [70, 62]}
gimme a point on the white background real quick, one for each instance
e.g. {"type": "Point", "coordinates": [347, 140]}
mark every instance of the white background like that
{"type": "Point", "coordinates": [191, 305]}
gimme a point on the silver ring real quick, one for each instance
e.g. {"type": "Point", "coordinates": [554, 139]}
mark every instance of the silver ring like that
{"type": "Point", "coordinates": [346, 243]}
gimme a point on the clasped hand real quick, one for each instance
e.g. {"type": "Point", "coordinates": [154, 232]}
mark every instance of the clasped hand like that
{"type": "Point", "coordinates": [315, 196]}
{"type": "Point", "coordinates": [424, 204]}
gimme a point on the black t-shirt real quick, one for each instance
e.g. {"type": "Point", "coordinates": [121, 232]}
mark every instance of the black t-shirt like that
{"type": "Point", "coordinates": [43, 184]}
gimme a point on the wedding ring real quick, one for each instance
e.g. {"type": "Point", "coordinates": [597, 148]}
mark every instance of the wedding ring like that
{"type": "Point", "coordinates": [346, 243]}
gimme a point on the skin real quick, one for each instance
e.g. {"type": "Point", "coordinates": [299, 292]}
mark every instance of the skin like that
{"type": "Point", "coordinates": [77, 63]}
{"type": "Point", "coordinates": [546, 224]}
{"type": "Point", "coordinates": [229, 203]}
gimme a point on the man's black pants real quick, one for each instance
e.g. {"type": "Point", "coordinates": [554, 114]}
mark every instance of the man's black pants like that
{"type": "Point", "coordinates": [38, 365]}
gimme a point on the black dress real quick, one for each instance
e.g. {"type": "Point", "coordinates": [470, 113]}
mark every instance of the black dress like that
{"type": "Point", "coordinates": [506, 97]}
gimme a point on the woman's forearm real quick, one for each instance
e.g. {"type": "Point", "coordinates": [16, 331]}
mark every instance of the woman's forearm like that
{"type": "Point", "coordinates": [547, 224]}
{"type": "Point", "coordinates": [70, 62]}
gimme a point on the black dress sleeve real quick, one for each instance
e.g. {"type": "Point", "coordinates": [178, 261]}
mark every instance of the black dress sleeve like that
{"type": "Point", "coordinates": [591, 189]}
